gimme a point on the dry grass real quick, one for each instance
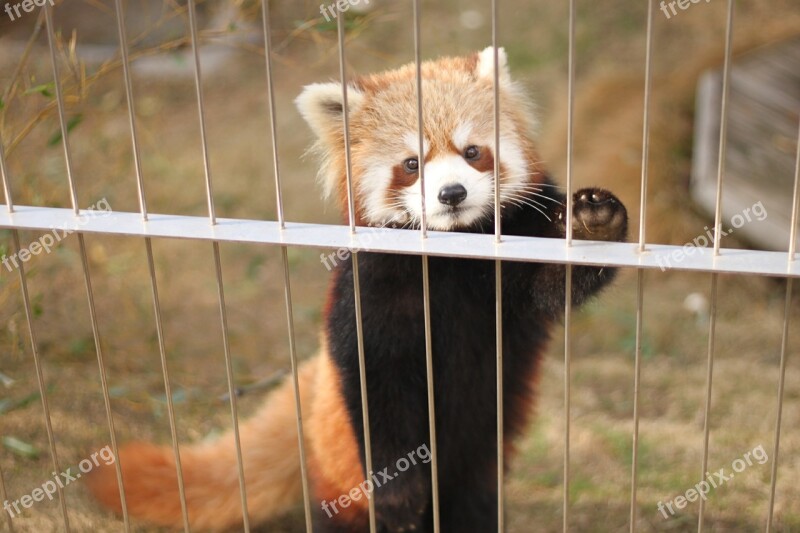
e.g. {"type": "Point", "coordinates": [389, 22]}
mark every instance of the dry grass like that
{"type": "Point", "coordinates": [608, 126]}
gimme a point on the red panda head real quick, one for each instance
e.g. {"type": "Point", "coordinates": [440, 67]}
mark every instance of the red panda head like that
{"type": "Point", "coordinates": [458, 121]}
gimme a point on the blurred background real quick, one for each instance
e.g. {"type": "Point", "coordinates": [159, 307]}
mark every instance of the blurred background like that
{"type": "Point", "coordinates": [608, 125]}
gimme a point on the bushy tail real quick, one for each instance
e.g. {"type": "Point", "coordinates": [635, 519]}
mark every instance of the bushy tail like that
{"type": "Point", "coordinates": [271, 462]}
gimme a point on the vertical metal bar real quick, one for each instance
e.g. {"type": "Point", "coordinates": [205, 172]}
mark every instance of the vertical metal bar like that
{"type": "Point", "coordinates": [167, 388]}
{"type": "Point", "coordinates": [85, 264]}
{"type": "Point", "coordinates": [568, 273]}
{"type": "Point", "coordinates": [420, 124]}
{"type": "Point", "coordinates": [787, 309]}
{"type": "Point", "coordinates": [648, 82]}
{"type": "Point", "coordinates": [150, 262]}
{"type": "Point", "coordinates": [785, 337]}
{"type": "Point", "coordinates": [296, 382]}
{"type": "Point", "coordinates": [723, 126]}
{"type": "Point", "coordinates": [567, 395]}
{"type": "Point", "coordinates": [231, 387]}
{"type": "Point", "coordinates": [4, 496]}
{"type": "Point", "coordinates": [431, 406]}
{"type": "Point", "coordinates": [10, 207]}
{"type": "Point", "coordinates": [709, 379]}
{"type": "Point", "coordinates": [356, 279]}
{"type": "Point", "coordinates": [498, 277]}
{"type": "Point", "coordinates": [498, 326]}
{"type": "Point", "coordinates": [62, 116]}
{"type": "Point", "coordinates": [637, 372]}
{"type": "Point", "coordinates": [103, 376]}
{"type": "Point", "coordinates": [201, 108]}
{"type": "Point", "coordinates": [23, 283]}
{"type": "Point", "coordinates": [570, 116]}
{"type": "Point", "coordinates": [217, 261]}
{"type": "Point", "coordinates": [272, 115]}
{"type": "Point", "coordinates": [648, 79]}
{"type": "Point", "coordinates": [285, 260]}
{"type": "Point", "coordinates": [6, 180]}
{"type": "Point", "coordinates": [137, 161]}
{"type": "Point", "coordinates": [426, 290]}
{"type": "Point", "coordinates": [351, 207]}
{"type": "Point", "coordinates": [496, 89]}
{"type": "Point", "coordinates": [717, 238]}
{"type": "Point", "coordinates": [362, 368]}
{"type": "Point", "coordinates": [795, 204]}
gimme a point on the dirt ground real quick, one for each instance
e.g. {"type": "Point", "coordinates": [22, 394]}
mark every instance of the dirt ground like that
{"type": "Point", "coordinates": [610, 67]}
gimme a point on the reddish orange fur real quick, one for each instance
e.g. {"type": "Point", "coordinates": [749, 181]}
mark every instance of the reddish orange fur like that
{"type": "Point", "coordinates": [331, 439]}
{"type": "Point", "coordinates": [271, 462]}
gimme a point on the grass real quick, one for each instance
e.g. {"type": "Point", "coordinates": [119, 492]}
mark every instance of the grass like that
{"type": "Point", "coordinates": [607, 152]}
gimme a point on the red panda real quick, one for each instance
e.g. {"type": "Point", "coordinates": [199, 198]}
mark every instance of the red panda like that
{"type": "Point", "coordinates": [459, 188]}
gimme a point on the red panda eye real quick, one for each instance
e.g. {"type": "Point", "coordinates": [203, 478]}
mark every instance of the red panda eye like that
{"type": "Point", "coordinates": [472, 153]}
{"type": "Point", "coordinates": [411, 165]}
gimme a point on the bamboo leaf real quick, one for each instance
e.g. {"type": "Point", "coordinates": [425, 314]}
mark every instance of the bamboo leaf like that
{"type": "Point", "coordinates": [71, 124]}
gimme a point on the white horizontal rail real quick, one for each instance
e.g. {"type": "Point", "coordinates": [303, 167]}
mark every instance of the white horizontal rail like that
{"type": "Point", "coordinates": [465, 245]}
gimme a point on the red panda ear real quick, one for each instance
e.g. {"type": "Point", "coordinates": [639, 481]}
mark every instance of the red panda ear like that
{"type": "Point", "coordinates": [321, 106]}
{"type": "Point", "coordinates": [484, 68]}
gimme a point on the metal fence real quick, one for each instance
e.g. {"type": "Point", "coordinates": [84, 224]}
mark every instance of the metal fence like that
{"type": "Point", "coordinates": [498, 247]}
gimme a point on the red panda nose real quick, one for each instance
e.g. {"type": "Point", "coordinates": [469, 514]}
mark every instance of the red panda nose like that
{"type": "Point", "coordinates": [452, 195]}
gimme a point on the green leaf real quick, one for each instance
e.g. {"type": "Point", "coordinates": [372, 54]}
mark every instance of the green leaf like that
{"type": "Point", "coordinates": [38, 309]}
{"type": "Point", "coordinates": [10, 404]}
{"type": "Point", "coordinates": [20, 447]}
{"type": "Point", "coordinates": [44, 89]}
{"type": "Point", "coordinates": [71, 124]}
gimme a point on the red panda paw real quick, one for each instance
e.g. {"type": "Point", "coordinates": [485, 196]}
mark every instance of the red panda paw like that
{"type": "Point", "coordinates": [598, 215]}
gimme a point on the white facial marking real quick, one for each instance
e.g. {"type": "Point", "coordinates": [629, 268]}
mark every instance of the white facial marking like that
{"type": "Point", "coordinates": [461, 135]}
{"type": "Point", "coordinates": [514, 162]}
{"type": "Point", "coordinates": [372, 189]}
{"type": "Point", "coordinates": [450, 169]}
{"type": "Point", "coordinates": [411, 140]}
